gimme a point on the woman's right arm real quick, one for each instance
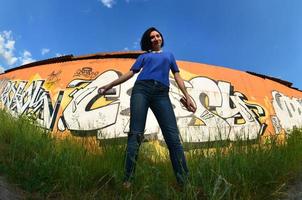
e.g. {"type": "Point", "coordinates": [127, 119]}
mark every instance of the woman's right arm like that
{"type": "Point", "coordinates": [118, 81]}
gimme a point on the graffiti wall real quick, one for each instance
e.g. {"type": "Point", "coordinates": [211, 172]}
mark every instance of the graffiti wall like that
{"type": "Point", "coordinates": [61, 94]}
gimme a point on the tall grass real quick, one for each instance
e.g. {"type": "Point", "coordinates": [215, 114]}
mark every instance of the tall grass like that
{"type": "Point", "coordinates": [49, 168]}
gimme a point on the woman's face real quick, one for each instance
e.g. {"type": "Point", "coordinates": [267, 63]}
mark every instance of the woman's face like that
{"type": "Point", "coordinates": [156, 40]}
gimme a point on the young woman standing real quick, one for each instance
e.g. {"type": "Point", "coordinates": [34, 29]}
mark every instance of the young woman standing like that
{"type": "Point", "coordinates": [151, 90]}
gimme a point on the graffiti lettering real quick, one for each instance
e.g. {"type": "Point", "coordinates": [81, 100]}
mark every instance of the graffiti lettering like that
{"type": "Point", "coordinates": [79, 113]}
{"type": "Point", "coordinates": [276, 124]}
{"type": "Point", "coordinates": [86, 72]}
{"type": "Point", "coordinates": [53, 78]}
{"type": "Point", "coordinates": [3, 83]}
{"type": "Point", "coordinates": [31, 99]}
{"type": "Point", "coordinates": [221, 113]}
{"type": "Point", "coordinates": [288, 110]}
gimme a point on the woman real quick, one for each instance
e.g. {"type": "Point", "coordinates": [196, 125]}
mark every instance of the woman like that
{"type": "Point", "coordinates": [151, 90]}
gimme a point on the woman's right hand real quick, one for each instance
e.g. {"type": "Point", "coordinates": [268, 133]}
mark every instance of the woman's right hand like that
{"type": "Point", "coordinates": [191, 105]}
{"type": "Point", "coordinates": [103, 89]}
{"type": "Point", "coordinates": [118, 81]}
{"type": "Point", "coordinates": [188, 103]}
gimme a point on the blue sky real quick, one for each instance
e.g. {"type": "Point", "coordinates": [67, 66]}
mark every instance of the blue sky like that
{"type": "Point", "coordinates": [263, 36]}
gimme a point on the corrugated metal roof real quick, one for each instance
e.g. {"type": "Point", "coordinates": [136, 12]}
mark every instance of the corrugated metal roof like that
{"type": "Point", "coordinates": [66, 58]}
{"type": "Point", "coordinates": [283, 82]}
{"type": "Point", "coordinates": [127, 54]}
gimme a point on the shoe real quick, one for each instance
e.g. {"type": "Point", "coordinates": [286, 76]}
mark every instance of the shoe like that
{"type": "Point", "coordinates": [177, 187]}
{"type": "Point", "coordinates": [127, 185]}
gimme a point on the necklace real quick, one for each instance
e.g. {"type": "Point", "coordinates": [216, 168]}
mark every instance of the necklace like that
{"type": "Point", "coordinates": [156, 51]}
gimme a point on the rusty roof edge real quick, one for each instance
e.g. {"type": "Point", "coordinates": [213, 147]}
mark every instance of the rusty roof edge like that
{"type": "Point", "coordinates": [66, 58]}
{"type": "Point", "coordinates": [122, 54]}
{"type": "Point", "coordinates": [283, 82]}
{"type": "Point", "coordinates": [43, 62]}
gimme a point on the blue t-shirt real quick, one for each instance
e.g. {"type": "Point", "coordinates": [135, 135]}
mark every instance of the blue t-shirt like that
{"type": "Point", "coordinates": [155, 66]}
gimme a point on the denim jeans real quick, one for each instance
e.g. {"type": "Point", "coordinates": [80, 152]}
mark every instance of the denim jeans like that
{"type": "Point", "coordinates": [154, 95]}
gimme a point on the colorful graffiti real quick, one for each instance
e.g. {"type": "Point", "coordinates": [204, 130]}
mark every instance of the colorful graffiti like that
{"type": "Point", "coordinates": [31, 99]}
{"type": "Point", "coordinates": [288, 110]}
{"type": "Point", "coordinates": [221, 112]}
{"type": "Point", "coordinates": [66, 100]}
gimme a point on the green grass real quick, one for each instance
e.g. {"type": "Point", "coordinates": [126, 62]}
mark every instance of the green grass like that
{"type": "Point", "coordinates": [46, 167]}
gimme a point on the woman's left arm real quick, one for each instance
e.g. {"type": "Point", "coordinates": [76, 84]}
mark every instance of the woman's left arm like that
{"type": "Point", "coordinates": [190, 105]}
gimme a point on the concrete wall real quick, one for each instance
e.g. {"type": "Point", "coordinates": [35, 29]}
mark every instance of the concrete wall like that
{"type": "Point", "coordinates": [62, 96]}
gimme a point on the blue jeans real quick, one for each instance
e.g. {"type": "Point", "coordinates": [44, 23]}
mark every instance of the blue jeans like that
{"type": "Point", "coordinates": [155, 95]}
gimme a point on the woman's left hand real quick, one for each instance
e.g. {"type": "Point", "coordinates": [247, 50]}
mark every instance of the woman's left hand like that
{"type": "Point", "coordinates": [191, 105]}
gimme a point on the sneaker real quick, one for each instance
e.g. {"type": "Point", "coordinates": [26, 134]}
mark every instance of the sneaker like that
{"type": "Point", "coordinates": [127, 185]}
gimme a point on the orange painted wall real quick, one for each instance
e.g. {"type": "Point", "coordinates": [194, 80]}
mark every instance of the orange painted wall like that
{"type": "Point", "coordinates": [250, 98]}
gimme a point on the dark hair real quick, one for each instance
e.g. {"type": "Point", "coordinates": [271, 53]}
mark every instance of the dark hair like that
{"type": "Point", "coordinates": [146, 44]}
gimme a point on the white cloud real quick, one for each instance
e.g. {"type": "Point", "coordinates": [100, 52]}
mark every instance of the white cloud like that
{"type": "Point", "coordinates": [107, 3]}
{"type": "Point", "coordinates": [26, 58]}
{"type": "Point", "coordinates": [59, 54]}
{"type": "Point", "coordinates": [7, 33]}
{"type": "Point", "coordinates": [136, 44]}
{"type": "Point", "coordinates": [110, 3]}
{"type": "Point", "coordinates": [26, 53]}
{"type": "Point", "coordinates": [1, 70]}
{"type": "Point", "coordinates": [7, 47]}
{"type": "Point", "coordinates": [10, 44]}
{"type": "Point", "coordinates": [45, 51]}
{"type": "Point", "coordinates": [7, 51]}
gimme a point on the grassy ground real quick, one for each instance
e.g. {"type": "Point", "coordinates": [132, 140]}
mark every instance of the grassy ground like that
{"type": "Point", "coordinates": [49, 168]}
